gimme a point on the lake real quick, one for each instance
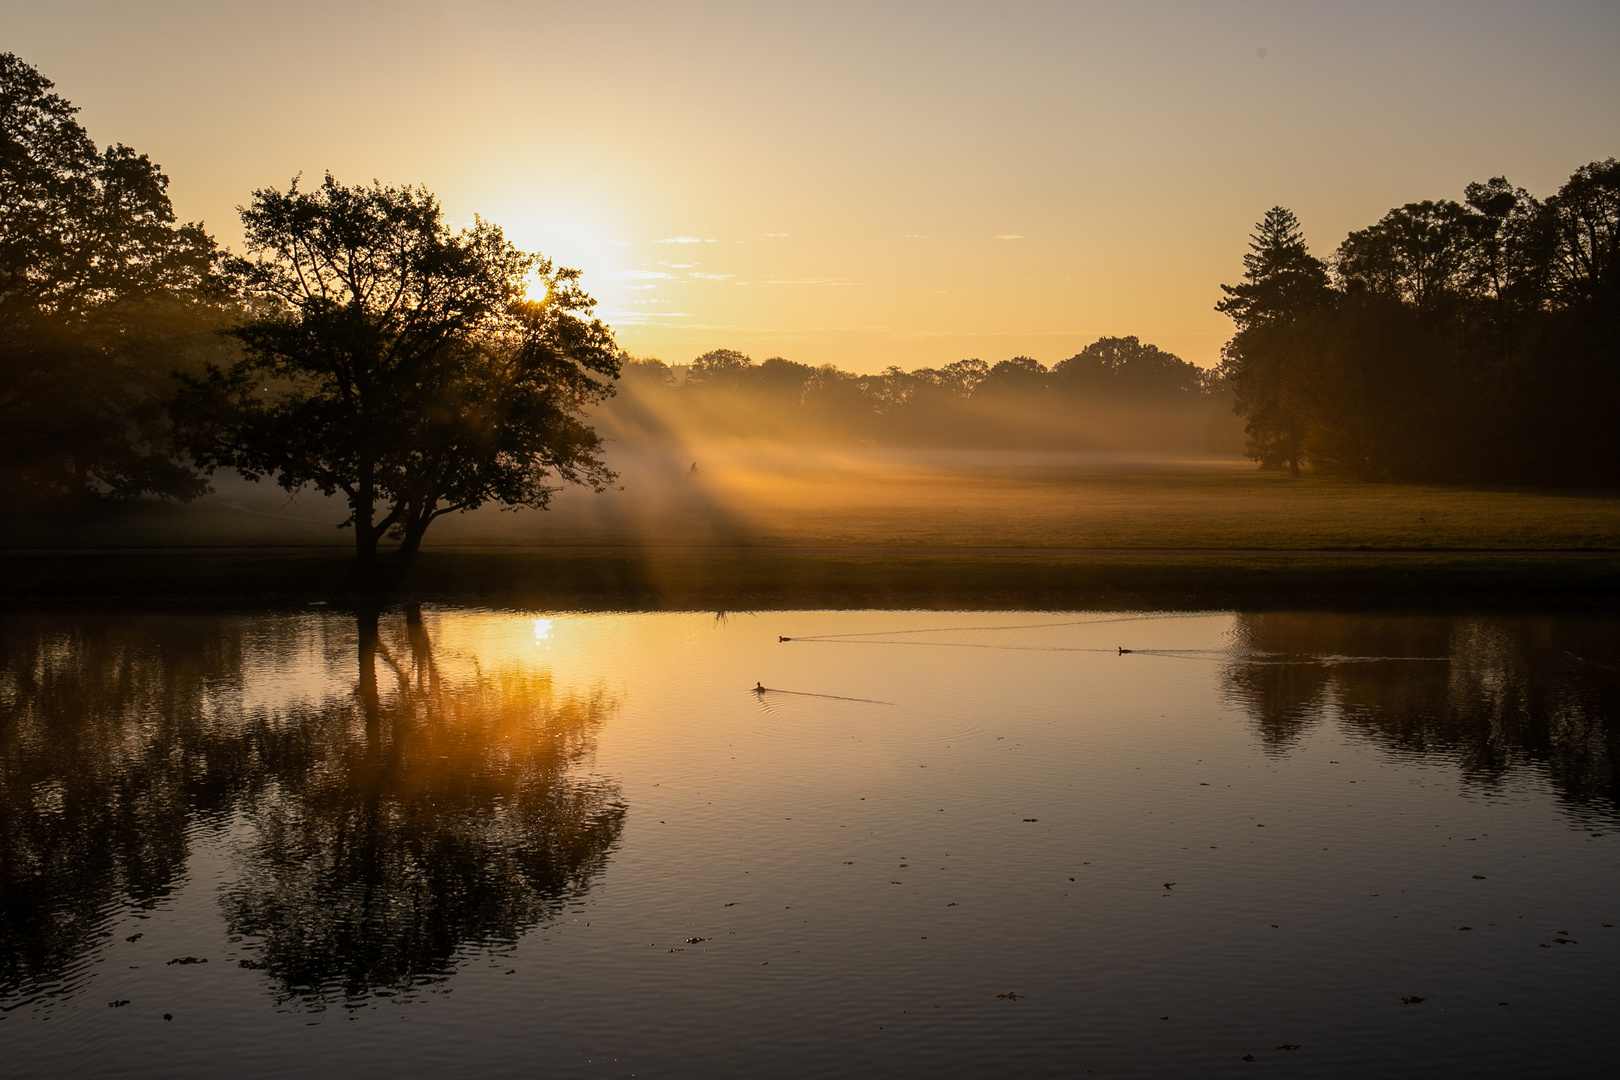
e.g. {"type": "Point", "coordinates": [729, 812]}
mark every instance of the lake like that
{"type": "Point", "coordinates": [804, 843]}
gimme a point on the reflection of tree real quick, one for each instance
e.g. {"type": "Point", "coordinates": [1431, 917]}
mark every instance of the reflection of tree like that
{"type": "Point", "coordinates": [399, 826]}
{"type": "Point", "coordinates": [386, 830]}
{"type": "Point", "coordinates": [1504, 691]}
{"type": "Point", "coordinates": [107, 755]}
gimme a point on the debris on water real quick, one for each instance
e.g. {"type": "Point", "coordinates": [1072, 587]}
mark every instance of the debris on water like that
{"type": "Point", "coordinates": [1010, 996]}
{"type": "Point", "coordinates": [1479, 877]}
{"type": "Point", "coordinates": [695, 940]}
{"type": "Point", "coordinates": [1032, 819]}
{"type": "Point", "coordinates": [1289, 1046]}
{"type": "Point", "coordinates": [119, 1004]}
{"type": "Point", "coordinates": [168, 1016]}
{"type": "Point", "coordinates": [511, 971]}
{"type": "Point", "coordinates": [1164, 1018]}
{"type": "Point", "coordinates": [1166, 884]}
{"type": "Point", "coordinates": [188, 960]}
{"type": "Point", "coordinates": [1412, 999]}
{"type": "Point", "coordinates": [251, 965]}
{"type": "Point", "coordinates": [951, 904]}
{"type": "Point", "coordinates": [677, 950]}
{"type": "Point", "coordinates": [1248, 1057]}
{"type": "Point", "coordinates": [732, 904]}
{"type": "Point", "coordinates": [134, 937]}
{"type": "Point", "coordinates": [1465, 927]}
{"type": "Point", "coordinates": [1566, 941]}
{"type": "Point", "coordinates": [1501, 1003]}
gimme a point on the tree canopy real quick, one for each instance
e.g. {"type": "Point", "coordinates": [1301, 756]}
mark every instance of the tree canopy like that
{"type": "Point", "coordinates": [401, 363]}
{"type": "Point", "coordinates": [102, 295]}
{"type": "Point", "coordinates": [1473, 340]}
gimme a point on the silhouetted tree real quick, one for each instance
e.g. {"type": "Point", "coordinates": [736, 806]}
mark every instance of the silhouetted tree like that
{"type": "Point", "coordinates": [102, 294]}
{"type": "Point", "coordinates": [1126, 367]}
{"type": "Point", "coordinates": [394, 360]}
{"type": "Point", "coordinates": [1016, 376]}
{"type": "Point", "coordinates": [1282, 284]}
{"type": "Point", "coordinates": [720, 369]}
{"type": "Point", "coordinates": [505, 420]}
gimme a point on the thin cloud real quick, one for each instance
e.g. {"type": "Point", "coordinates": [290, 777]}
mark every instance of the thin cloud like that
{"type": "Point", "coordinates": [1010, 236]}
{"type": "Point", "coordinates": [686, 240]}
{"type": "Point", "coordinates": [713, 277]}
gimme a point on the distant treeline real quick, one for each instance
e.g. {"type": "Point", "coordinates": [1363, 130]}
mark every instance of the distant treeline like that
{"type": "Point", "coordinates": [1117, 393]}
{"type": "Point", "coordinates": [1473, 341]}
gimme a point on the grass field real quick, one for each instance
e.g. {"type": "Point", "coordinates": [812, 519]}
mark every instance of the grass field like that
{"type": "Point", "coordinates": [759, 527]}
{"type": "Point", "coordinates": [752, 495]}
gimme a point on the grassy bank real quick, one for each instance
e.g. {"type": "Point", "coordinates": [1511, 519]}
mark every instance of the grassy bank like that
{"type": "Point", "coordinates": [776, 526]}
{"type": "Point", "coordinates": [775, 494]}
{"type": "Point", "coordinates": [764, 578]}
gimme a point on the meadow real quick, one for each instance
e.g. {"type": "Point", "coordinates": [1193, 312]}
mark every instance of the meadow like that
{"type": "Point", "coordinates": [778, 524]}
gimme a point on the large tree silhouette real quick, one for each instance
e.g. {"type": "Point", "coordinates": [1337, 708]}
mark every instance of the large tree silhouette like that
{"type": "Point", "coordinates": [400, 363]}
{"type": "Point", "coordinates": [1282, 284]}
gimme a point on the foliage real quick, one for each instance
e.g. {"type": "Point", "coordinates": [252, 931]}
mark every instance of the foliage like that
{"type": "Point", "coordinates": [398, 362]}
{"type": "Point", "coordinates": [1283, 284]}
{"type": "Point", "coordinates": [1471, 341]}
{"type": "Point", "coordinates": [1116, 393]}
{"type": "Point", "coordinates": [102, 295]}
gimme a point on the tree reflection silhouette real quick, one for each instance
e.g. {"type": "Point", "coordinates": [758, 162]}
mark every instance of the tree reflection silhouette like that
{"type": "Point", "coordinates": [1492, 693]}
{"type": "Point", "coordinates": [107, 757]}
{"type": "Point", "coordinates": [379, 833]}
{"type": "Point", "coordinates": [401, 827]}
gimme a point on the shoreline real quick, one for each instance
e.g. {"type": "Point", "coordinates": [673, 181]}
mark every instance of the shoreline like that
{"type": "Point", "coordinates": [686, 577]}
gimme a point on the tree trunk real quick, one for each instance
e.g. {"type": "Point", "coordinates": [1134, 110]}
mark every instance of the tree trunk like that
{"type": "Point", "coordinates": [368, 640]}
{"type": "Point", "coordinates": [365, 509]}
{"type": "Point", "coordinates": [417, 520]}
{"type": "Point", "coordinates": [1293, 450]}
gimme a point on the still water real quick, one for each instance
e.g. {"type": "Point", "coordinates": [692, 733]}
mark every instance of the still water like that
{"type": "Point", "coordinates": [453, 841]}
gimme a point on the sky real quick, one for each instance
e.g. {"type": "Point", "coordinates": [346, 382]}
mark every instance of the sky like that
{"type": "Point", "coordinates": [861, 184]}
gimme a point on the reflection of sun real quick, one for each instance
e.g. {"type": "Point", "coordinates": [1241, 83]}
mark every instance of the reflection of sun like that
{"type": "Point", "coordinates": [542, 629]}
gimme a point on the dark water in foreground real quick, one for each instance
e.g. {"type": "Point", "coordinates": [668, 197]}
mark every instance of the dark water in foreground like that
{"type": "Point", "coordinates": [954, 844]}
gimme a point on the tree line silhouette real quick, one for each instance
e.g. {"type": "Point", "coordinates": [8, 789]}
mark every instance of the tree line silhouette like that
{"type": "Point", "coordinates": [1117, 393]}
{"type": "Point", "coordinates": [1471, 341]}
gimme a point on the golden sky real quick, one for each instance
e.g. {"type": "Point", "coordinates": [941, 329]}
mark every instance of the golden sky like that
{"type": "Point", "coordinates": [856, 183]}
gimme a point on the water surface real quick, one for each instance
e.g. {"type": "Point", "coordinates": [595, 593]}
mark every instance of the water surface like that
{"type": "Point", "coordinates": [541, 843]}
